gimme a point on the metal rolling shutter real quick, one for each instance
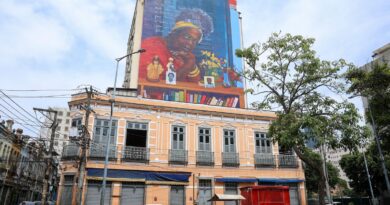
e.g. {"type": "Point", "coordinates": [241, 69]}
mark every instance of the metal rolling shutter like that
{"type": "Point", "coordinates": [93, 193]}
{"type": "Point", "coordinates": [205, 192]}
{"type": "Point", "coordinates": [66, 194]}
{"type": "Point", "coordinates": [231, 188]}
{"type": "Point", "coordinates": [133, 194]}
{"type": "Point", "coordinates": [294, 198]}
{"type": "Point", "coordinates": [177, 195]}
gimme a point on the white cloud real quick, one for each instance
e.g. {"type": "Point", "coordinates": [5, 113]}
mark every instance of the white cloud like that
{"type": "Point", "coordinates": [349, 29]}
{"type": "Point", "coordinates": [97, 23]}
{"type": "Point", "coordinates": [27, 35]}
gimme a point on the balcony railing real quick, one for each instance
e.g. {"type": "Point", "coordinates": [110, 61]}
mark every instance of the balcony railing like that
{"type": "Point", "coordinates": [70, 152]}
{"type": "Point", "coordinates": [135, 154]}
{"type": "Point", "coordinates": [3, 163]}
{"type": "Point", "coordinates": [97, 151]}
{"type": "Point", "coordinates": [178, 156]}
{"type": "Point", "coordinates": [230, 159]}
{"type": "Point", "coordinates": [264, 160]}
{"type": "Point", "coordinates": [204, 158]}
{"type": "Point", "coordinates": [288, 161]}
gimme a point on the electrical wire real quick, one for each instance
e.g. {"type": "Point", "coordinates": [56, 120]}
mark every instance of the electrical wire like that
{"type": "Point", "coordinates": [34, 131]}
{"type": "Point", "coordinates": [41, 90]}
{"type": "Point", "coordinates": [33, 117]}
{"type": "Point", "coordinates": [31, 128]}
{"type": "Point", "coordinates": [41, 97]}
{"type": "Point", "coordinates": [12, 113]}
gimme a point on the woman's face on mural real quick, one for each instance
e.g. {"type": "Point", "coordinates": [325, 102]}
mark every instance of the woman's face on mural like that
{"type": "Point", "coordinates": [186, 40]}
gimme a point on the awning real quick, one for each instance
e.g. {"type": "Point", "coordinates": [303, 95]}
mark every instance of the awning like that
{"type": "Point", "coordinates": [237, 180]}
{"type": "Point", "coordinates": [276, 180]}
{"type": "Point", "coordinates": [145, 175]}
{"type": "Point", "coordinates": [226, 197]}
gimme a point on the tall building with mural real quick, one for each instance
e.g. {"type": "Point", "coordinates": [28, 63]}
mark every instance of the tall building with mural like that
{"type": "Point", "coordinates": [181, 132]}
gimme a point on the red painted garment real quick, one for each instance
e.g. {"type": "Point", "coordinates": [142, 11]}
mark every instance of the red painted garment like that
{"type": "Point", "coordinates": [156, 46]}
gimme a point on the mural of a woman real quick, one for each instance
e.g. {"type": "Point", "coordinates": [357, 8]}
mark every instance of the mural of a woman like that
{"type": "Point", "coordinates": [191, 25]}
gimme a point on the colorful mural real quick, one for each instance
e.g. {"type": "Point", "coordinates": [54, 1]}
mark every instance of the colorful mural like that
{"type": "Point", "coordinates": [190, 52]}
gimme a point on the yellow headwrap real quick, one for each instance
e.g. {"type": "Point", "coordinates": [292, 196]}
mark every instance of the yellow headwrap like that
{"type": "Point", "coordinates": [184, 24]}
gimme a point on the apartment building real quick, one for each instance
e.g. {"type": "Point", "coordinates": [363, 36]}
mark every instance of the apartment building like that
{"type": "Point", "coordinates": [61, 136]}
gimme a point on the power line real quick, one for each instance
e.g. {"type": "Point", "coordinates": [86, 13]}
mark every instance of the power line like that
{"type": "Point", "coordinates": [41, 97]}
{"type": "Point", "coordinates": [42, 90]}
{"type": "Point", "coordinates": [35, 132]}
{"type": "Point", "coordinates": [16, 111]}
{"type": "Point", "coordinates": [13, 118]}
{"type": "Point", "coordinates": [17, 105]}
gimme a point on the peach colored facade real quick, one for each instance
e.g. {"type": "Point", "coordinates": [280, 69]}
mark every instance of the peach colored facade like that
{"type": "Point", "coordinates": [160, 116]}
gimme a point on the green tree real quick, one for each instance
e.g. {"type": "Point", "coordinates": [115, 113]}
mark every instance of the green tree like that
{"type": "Point", "coordinates": [288, 77]}
{"type": "Point", "coordinates": [312, 178]}
{"type": "Point", "coordinates": [375, 85]}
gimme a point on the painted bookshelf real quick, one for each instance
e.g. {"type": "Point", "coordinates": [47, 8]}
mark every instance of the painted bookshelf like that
{"type": "Point", "coordinates": [193, 93]}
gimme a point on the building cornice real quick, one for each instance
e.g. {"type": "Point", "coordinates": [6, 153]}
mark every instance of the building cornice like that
{"type": "Point", "coordinates": [169, 106]}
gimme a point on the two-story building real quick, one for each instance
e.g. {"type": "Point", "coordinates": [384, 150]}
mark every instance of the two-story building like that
{"type": "Point", "coordinates": [177, 153]}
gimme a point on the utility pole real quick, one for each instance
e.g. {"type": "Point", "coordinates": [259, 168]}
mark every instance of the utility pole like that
{"type": "Point", "coordinates": [49, 162]}
{"type": "Point", "coordinates": [84, 142]}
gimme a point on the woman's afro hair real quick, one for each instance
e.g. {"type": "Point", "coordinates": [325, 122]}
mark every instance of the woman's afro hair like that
{"type": "Point", "coordinates": [197, 17]}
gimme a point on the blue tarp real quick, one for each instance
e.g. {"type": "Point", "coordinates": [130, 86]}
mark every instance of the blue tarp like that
{"type": "Point", "coordinates": [237, 180]}
{"type": "Point", "coordinates": [275, 180]}
{"type": "Point", "coordinates": [147, 175]}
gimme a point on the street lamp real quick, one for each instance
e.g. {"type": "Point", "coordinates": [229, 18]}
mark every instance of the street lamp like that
{"type": "Point", "coordinates": [112, 100]}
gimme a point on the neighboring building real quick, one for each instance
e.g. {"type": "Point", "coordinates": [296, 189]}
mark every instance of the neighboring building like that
{"type": "Point", "coordinates": [61, 137]}
{"type": "Point", "coordinates": [21, 168]}
{"type": "Point", "coordinates": [334, 157]}
{"type": "Point", "coordinates": [380, 55]}
{"type": "Point", "coordinates": [181, 131]}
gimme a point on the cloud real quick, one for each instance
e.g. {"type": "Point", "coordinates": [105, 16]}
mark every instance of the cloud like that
{"type": "Point", "coordinates": [342, 29]}
{"type": "Point", "coordinates": [98, 24]}
{"type": "Point", "coordinates": [27, 35]}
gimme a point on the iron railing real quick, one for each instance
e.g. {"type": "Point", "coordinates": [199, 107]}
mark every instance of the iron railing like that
{"type": "Point", "coordinates": [97, 151]}
{"type": "Point", "coordinates": [135, 154]}
{"type": "Point", "coordinates": [204, 158]}
{"type": "Point", "coordinates": [70, 152]}
{"type": "Point", "coordinates": [230, 159]}
{"type": "Point", "coordinates": [287, 161]}
{"type": "Point", "coordinates": [178, 156]}
{"type": "Point", "coordinates": [264, 160]}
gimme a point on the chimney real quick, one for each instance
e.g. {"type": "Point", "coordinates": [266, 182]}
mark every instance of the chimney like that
{"type": "Point", "coordinates": [10, 123]}
{"type": "Point", "coordinates": [18, 134]}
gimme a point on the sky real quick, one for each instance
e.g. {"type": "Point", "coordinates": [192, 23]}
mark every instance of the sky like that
{"type": "Point", "coordinates": [63, 44]}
